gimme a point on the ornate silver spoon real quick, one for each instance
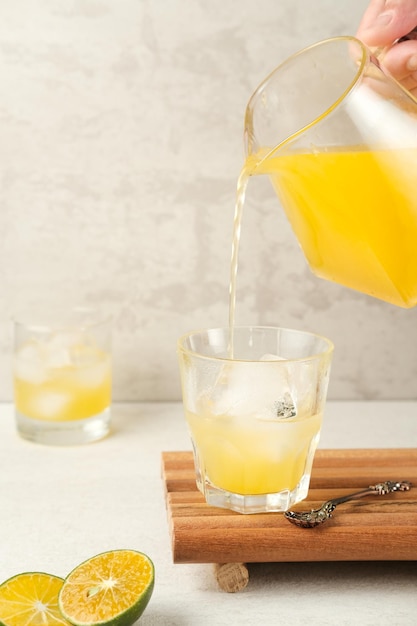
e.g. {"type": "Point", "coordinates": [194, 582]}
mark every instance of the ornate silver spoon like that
{"type": "Point", "coordinates": [315, 517]}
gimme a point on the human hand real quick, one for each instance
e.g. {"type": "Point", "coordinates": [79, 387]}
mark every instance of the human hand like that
{"type": "Point", "coordinates": [383, 23]}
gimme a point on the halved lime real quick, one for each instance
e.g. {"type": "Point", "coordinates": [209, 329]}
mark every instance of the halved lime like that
{"type": "Point", "coordinates": [31, 599]}
{"type": "Point", "coordinates": [110, 589]}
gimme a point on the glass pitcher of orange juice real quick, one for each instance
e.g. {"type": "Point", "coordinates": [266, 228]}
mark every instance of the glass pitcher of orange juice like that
{"type": "Point", "coordinates": [338, 138]}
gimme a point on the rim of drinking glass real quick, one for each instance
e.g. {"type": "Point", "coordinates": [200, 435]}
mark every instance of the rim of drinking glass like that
{"type": "Point", "coordinates": [365, 58]}
{"type": "Point", "coordinates": [49, 321]}
{"type": "Point", "coordinates": [188, 351]}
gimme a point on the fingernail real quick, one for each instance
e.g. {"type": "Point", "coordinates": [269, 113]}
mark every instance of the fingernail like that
{"type": "Point", "coordinates": [385, 18]}
{"type": "Point", "coordinates": [412, 63]}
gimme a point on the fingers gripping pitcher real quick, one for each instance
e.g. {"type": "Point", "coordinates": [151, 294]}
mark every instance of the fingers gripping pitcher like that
{"type": "Point", "coordinates": [338, 139]}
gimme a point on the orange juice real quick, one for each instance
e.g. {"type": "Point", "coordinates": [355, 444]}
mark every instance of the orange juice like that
{"type": "Point", "coordinates": [64, 389]}
{"type": "Point", "coordinates": [357, 226]}
{"type": "Point", "coordinates": [251, 455]}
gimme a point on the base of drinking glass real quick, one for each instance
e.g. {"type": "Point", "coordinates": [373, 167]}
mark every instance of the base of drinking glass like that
{"type": "Point", "coordinates": [259, 503]}
{"type": "Point", "coordinates": [69, 433]}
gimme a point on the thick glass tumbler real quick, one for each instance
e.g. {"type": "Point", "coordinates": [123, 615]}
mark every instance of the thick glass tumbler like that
{"type": "Point", "coordinates": [62, 378]}
{"type": "Point", "coordinates": [254, 417]}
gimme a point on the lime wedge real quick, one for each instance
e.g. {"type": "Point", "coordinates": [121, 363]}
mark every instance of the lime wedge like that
{"type": "Point", "coordinates": [31, 599]}
{"type": "Point", "coordinates": [112, 588]}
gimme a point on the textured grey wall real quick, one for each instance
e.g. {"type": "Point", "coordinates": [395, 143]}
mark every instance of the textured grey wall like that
{"type": "Point", "coordinates": [121, 142]}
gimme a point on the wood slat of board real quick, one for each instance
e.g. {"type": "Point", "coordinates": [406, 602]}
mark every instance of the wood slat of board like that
{"type": "Point", "coordinates": [371, 529]}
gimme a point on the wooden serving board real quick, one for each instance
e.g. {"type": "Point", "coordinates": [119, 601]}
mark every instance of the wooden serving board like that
{"type": "Point", "coordinates": [371, 529]}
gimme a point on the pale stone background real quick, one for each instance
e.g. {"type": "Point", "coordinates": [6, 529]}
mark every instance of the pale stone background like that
{"type": "Point", "coordinates": [121, 142]}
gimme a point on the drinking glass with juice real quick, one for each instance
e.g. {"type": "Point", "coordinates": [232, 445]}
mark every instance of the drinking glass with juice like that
{"type": "Point", "coordinates": [62, 379]}
{"type": "Point", "coordinates": [254, 415]}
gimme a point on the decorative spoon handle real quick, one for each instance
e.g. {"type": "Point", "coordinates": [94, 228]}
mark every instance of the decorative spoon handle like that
{"type": "Point", "coordinates": [310, 519]}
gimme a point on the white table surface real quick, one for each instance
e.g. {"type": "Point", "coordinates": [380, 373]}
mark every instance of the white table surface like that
{"type": "Point", "coordinates": [60, 506]}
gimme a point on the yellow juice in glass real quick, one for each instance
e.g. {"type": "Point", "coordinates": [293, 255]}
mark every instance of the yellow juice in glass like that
{"type": "Point", "coordinates": [61, 384]}
{"type": "Point", "coordinates": [250, 455]}
{"type": "Point", "coordinates": [354, 213]}
{"type": "Point", "coordinates": [254, 416]}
